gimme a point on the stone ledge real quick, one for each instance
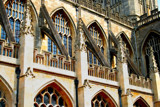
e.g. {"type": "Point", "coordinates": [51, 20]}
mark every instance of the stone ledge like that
{"type": "Point", "coordinates": [103, 81]}
{"type": "Point", "coordinates": [9, 60]}
{"type": "Point", "coordinates": [54, 70]}
{"type": "Point", "coordinates": [140, 89]}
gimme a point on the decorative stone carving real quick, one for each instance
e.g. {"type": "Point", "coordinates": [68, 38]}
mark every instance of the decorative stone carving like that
{"type": "Point", "coordinates": [81, 38]}
{"type": "Point", "coordinates": [129, 92]}
{"type": "Point", "coordinates": [27, 27]}
{"type": "Point", "coordinates": [121, 52]}
{"type": "Point", "coordinates": [153, 65]}
{"type": "Point", "coordinates": [29, 72]}
{"type": "Point", "coordinates": [86, 83]}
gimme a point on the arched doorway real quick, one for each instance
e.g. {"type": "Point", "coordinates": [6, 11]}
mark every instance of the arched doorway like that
{"type": "Point", "coordinates": [103, 99]}
{"type": "Point", "coordinates": [140, 102]}
{"type": "Point", "coordinates": [52, 96]}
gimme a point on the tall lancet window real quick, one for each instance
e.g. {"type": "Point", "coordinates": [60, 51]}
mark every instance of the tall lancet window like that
{"type": "Point", "coordinates": [63, 27]}
{"type": "Point", "coordinates": [97, 36]}
{"type": "Point", "coordinates": [152, 41]}
{"type": "Point", "coordinates": [15, 12]}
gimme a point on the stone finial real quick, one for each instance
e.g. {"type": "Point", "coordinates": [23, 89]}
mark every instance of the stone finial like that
{"type": "Point", "coordinates": [121, 52]}
{"type": "Point", "coordinates": [80, 24]}
{"type": "Point", "coordinates": [152, 62]}
{"type": "Point", "coordinates": [81, 38]}
{"type": "Point", "coordinates": [27, 23]}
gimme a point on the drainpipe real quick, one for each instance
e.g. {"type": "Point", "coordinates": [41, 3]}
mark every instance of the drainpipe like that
{"type": "Point", "coordinates": [18, 71]}
{"type": "Point", "coordinates": [76, 87]}
{"type": "Point", "coordinates": [120, 93]}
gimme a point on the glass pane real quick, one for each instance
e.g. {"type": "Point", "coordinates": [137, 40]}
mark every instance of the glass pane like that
{"type": "Point", "coordinates": [50, 90]}
{"type": "Point", "coordinates": [54, 98]}
{"type": "Point", "coordinates": [39, 99]}
{"type": "Point", "coordinates": [70, 46]}
{"type": "Point", "coordinates": [96, 104]}
{"type": "Point", "coordinates": [99, 98]}
{"type": "Point", "coordinates": [54, 49]}
{"type": "Point", "coordinates": [65, 41]}
{"type": "Point", "coordinates": [102, 105]}
{"type": "Point", "coordinates": [46, 99]}
{"type": "Point", "coordinates": [49, 44]}
{"type": "Point", "coordinates": [2, 103]}
{"type": "Point", "coordinates": [61, 102]}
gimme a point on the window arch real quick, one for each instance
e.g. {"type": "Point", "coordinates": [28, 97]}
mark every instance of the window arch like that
{"type": "Point", "coordinates": [50, 96]}
{"type": "Point", "coordinates": [53, 96]}
{"type": "Point", "coordinates": [15, 13]}
{"type": "Point", "coordinates": [63, 26]}
{"type": "Point", "coordinates": [102, 100]}
{"type": "Point", "coordinates": [153, 41]}
{"type": "Point", "coordinates": [97, 35]}
{"type": "Point", "coordinates": [140, 102]}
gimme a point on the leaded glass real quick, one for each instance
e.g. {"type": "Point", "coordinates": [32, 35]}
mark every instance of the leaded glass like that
{"type": "Point", "coordinates": [63, 28]}
{"type": "Point", "coordinates": [49, 97]}
{"type": "Point", "coordinates": [97, 36]}
{"type": "Point", "coordinates": [15, 14]}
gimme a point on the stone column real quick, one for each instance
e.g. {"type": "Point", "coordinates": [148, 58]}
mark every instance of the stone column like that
{"type": "Point", "coordinates": [81, 66]}
{"type": "Point", "coordinates": [154, 75]}
{"type": "Point", "coordinates": [26, 59]}
{"type": "Point", "coordinates": [124, 76]}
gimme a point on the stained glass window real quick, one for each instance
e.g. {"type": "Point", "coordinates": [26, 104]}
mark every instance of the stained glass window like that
{"type": "Point", "coordinates": [99, 101]}
{"type": "Point", "coordinates": [63, 28]}
{"type": "Point", "coordinates": [97, 36]}
{"type": "Point", "coordinates": [51, 97]}
{"type": "Point", "coordinates": [15, 12]}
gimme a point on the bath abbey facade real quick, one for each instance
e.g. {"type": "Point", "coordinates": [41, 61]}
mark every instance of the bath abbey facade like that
{"type": "Point", "coordinates": [79, 53]}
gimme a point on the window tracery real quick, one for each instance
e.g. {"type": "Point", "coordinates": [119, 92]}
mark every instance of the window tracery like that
{"type": "Point", "coordinates": [63, 27]}
{"type": "Point", "coordinates": [15, 13]}
{"type": "Point", "coordinates": [97, 36]}
{"type": "Point", "coordinates": [49, 97]}
{"type": "Point", "coordinates": [99, 101]}
{"type": "Point", "coordinates": [153, 42]}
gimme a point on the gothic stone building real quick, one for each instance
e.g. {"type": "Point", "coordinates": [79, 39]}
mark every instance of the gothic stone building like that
{"type": "Point", "coordinates": [79, 53]}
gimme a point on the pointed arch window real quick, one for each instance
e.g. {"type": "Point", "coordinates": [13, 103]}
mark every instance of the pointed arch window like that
{"type": "Point", "coordinates": [49, 97]}
{"type": "Point", "coordinates": [62, 25]}
{"type": "Point", "coordinates": [154, 42]}
{"type": "Point", "coordinates": [97, 36]}
{"type": "Point", "coordinates": [99, 101]}
{"type": "Point", "coordinates": [15, 12]}
{"type": "Point", "coordinates": [140, 103]}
